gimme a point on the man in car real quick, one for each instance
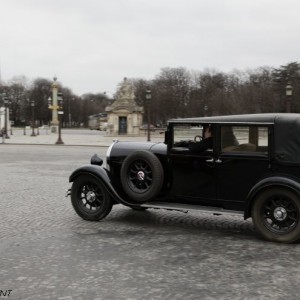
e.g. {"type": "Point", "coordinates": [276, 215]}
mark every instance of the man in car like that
{"type": "Point", "coordinates": [205, 143]}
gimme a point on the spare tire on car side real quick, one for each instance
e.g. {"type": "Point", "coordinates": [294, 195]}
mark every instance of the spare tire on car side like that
{"type": "Point", "coordinates": [142, 176]}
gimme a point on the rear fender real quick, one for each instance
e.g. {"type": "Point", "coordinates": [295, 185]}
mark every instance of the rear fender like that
{"type": "Point", "coordinates": [276, 181]}
{"type": "Point", "coordinates": [101, 174]}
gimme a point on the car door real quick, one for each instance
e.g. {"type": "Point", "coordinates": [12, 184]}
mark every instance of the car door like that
{"type": "Point", "coordinates": [241, 163]}
{"type": "Point", "coordinates": [193, 174]}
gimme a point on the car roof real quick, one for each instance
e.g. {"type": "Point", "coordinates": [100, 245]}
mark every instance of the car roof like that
{"type": "Point", "coordinates": [269, 118]}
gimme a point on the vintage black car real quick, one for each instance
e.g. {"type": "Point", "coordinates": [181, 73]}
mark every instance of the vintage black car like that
{"type": "Point", "coordinates": [251, 168]}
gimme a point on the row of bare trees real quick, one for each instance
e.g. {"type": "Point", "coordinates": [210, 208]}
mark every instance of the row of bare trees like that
{"type": "Point", "coordinates": [176, 92]}
{"type": "Point", "coordinates": [22, 96]}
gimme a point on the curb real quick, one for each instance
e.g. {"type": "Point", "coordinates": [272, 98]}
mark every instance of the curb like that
{"type": "Point", "coordinates": [57, 145]}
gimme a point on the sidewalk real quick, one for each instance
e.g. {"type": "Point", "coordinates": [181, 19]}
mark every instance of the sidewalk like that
{"type": "Point", "coordinates": [74, 137]}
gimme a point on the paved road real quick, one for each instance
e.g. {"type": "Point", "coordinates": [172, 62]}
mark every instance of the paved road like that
{"type": "Point", "coordinates": [48, 252]}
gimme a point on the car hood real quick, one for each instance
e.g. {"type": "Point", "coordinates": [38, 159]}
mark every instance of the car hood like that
{"type": "Point", "coordinates": [125, 148]}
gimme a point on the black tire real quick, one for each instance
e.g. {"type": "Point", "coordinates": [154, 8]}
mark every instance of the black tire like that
{"type": "Point", "coordinates": [276, 215]}
{"type": "Point", "coordinates": [90, 199]}
{"type": "Point", "coordinates": [142, 176]}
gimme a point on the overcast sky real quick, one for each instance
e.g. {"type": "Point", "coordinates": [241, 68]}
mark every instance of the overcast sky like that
{"type": "Point", "coordinates": [90, 45]}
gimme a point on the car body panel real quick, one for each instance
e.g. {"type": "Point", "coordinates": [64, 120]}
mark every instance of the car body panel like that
{"type": "Point", "coordinates": [232, 188]}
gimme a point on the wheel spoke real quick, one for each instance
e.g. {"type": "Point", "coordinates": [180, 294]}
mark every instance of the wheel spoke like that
{"type": "Point", "coordinates": [291, 209]}
{"type": "Point", "coordinates": [292, 218]}
{"type": "Point", "coordinates": [273, 202]}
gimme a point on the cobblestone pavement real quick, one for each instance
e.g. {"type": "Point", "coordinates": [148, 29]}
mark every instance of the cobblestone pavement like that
{"type": "Point", "coordinates": [48, 252]}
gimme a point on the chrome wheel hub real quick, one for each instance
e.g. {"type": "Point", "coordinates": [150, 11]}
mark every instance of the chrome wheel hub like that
{"type": "Point", "coordinates": [90, 196]}
{"type": "Point", "coordinates": [280, 213]}
{"type": "Point", "coordinates": [140, 175]}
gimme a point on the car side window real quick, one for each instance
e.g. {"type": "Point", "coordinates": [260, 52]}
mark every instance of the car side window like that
{"type": "Point", "coordinates": [192, 138]}
{"type": "Point", "coordinates": [186, 133]}
{"type": "Point", "coordinates": [244, 139]}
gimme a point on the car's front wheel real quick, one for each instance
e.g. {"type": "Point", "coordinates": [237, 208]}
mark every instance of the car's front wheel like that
{"type": "Point", "coordinates": [90, 199]}
{"type": "Point", "coordinates": [276, 215]}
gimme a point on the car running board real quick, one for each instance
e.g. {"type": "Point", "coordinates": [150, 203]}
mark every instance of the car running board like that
{"type": "Point", "coordinates": [187, 207]}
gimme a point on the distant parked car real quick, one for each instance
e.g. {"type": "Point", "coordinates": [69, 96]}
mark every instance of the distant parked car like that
{"type": "Point", "coordinates": [252, 168]}
{"type": "Point", "coordinates": [145, 127]}
{"type": "Point", "coordinates": [97, 121]}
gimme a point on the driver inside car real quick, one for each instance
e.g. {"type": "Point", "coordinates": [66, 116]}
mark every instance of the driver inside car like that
{"type": "Point", "coordinates": [205, 143]}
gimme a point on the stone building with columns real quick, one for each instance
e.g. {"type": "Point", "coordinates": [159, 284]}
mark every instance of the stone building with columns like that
{"type": "Point", "coordinates": [124, 116]}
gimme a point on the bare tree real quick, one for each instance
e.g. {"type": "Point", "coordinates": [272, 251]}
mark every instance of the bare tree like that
{"type": "Point", "coordinates": [289, 73]}
{"type": "Point", "coordinates": [172, 94]}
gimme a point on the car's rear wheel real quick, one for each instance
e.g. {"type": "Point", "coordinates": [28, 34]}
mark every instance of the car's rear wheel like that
{"type": "Point", "coordinates": [276, 215]}
{"type": "Point", "coordinates": [90, 199]}
{"type": "Point", "coordinates": [142, 176]}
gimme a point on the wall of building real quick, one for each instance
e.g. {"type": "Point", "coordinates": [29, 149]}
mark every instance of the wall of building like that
{"type": "Point", "coordinates": [2, 118]}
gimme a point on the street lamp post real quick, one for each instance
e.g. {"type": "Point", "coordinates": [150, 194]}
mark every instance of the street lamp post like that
{"type": "Point", "coordinates": [60, 113]}
{"type": "Point", "coordinates": [148, 101]}
{"type": "Point", "coordinates": [32, 111]}
{"type": "Point", "coordinates": [57, 106]}
{"type": "Point", "coordinates": [6, 103]}
{"type": "Point", "coordinates": [288, 93]}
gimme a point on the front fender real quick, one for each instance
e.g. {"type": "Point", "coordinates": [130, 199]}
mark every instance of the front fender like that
{"type": "Point", "coordinates": [277, 181]}
{"type": "Point", "coordinates": [101, 174]}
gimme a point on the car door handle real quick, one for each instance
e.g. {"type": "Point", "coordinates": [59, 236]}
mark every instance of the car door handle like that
{"type": "Point", "coordinates": [210, 160]}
